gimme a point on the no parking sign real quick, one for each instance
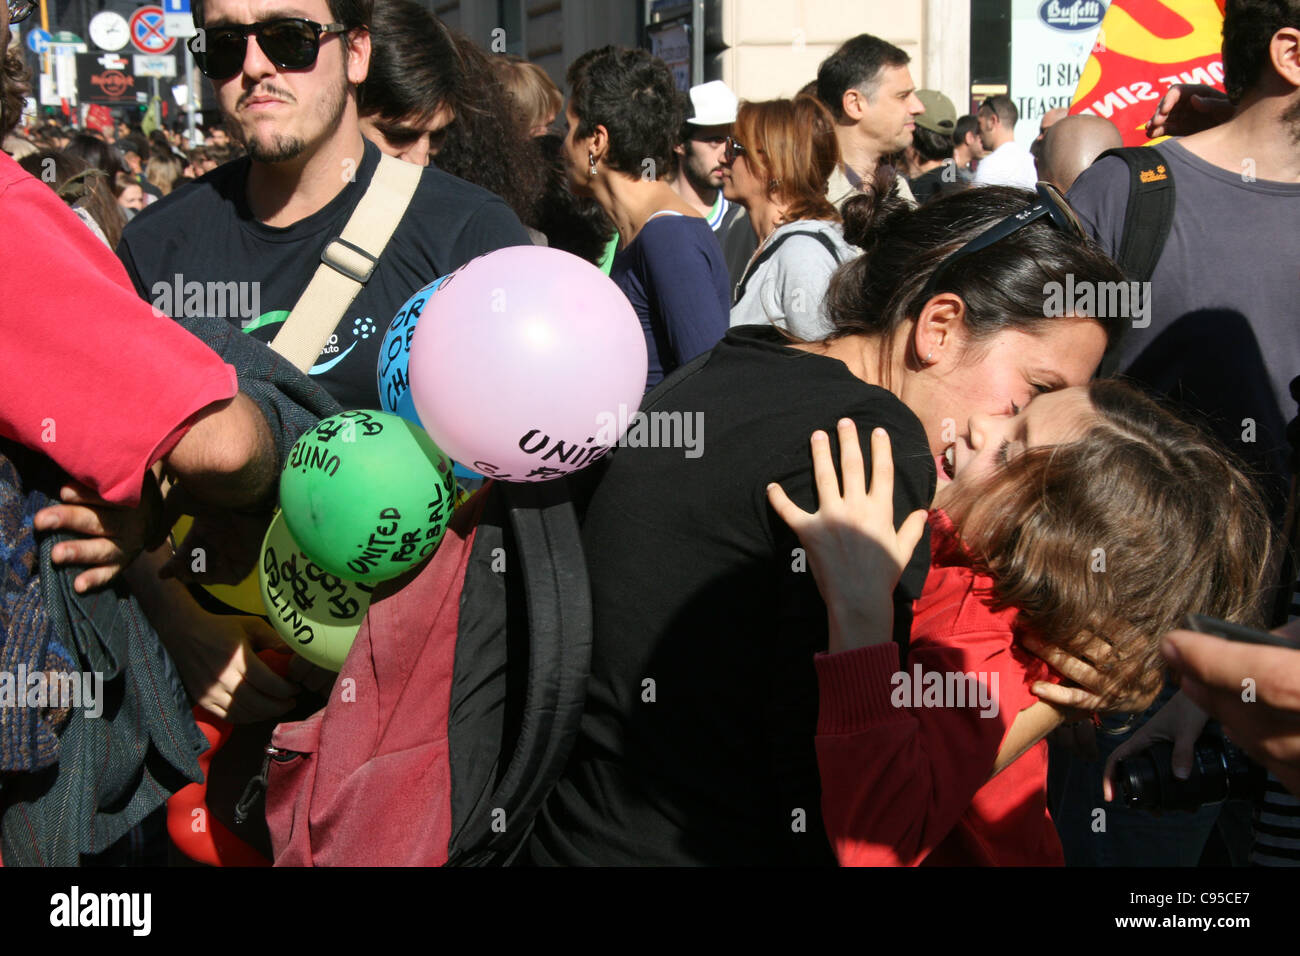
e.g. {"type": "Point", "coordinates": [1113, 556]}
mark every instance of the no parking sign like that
{"type": "Point", "coordinates": [147, 32]}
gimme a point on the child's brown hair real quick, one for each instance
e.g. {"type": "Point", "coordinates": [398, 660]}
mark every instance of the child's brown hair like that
{"type": "Point", "coordinates": [1119, 534]}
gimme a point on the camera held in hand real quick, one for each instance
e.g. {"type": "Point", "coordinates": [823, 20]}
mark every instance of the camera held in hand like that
{"type": "Point", "coordinates": [1220, 771]}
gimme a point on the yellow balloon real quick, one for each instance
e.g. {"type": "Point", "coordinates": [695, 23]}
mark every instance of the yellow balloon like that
{"type": "Point", "coordinates": [244, 597]}
{"type": "Point", "coordinates": [317, 613]}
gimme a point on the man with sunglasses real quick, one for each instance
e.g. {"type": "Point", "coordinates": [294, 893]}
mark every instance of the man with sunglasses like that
{"type": "Point", "coordinates": [286, 78]}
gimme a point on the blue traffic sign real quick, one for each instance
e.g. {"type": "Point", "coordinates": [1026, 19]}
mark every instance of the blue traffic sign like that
{"type": "Point", "coordinates": [38, 40]}
{"type": "Point", "coordinates": [176, 6]}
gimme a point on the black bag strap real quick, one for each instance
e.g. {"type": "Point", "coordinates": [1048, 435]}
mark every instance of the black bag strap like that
{"type": "Point", "coordinates": [1150, 212]}
{"type": "Point", "coordinates": [1147, 221]}
{"type": "Point", "coordinates": [558, 596]}
{"type": "Point", "coordinates": [771, 251]}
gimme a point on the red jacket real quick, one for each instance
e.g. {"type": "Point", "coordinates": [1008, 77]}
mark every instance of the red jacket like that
{"type": "Point", "coordinates": [906, 782]}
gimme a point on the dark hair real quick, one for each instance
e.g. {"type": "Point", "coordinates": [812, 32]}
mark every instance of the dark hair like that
{"type": "Point", "coordinates": [965, 126]}
{"type": "Point", "coordinates": [1001, 106]}
{"type": "Point", "coordinates": [350, 13]}
{"type": "Point", "coordinates": [15, 84]}
{"type": "Point", "coordinates": [571, 223]}
{"type": "Point", "coordinates": [931, 145]}
{"type": "Point", "coordinates": [1248, 29]}
{"type": "Point", "coordinates": [96, 152]}
{"type": "Point", "coordinates": [134, 143]}
{"type": "Point", "coordinates": [487, 143]}
{"type": "Point", "coordinates": [1118, 534]}
{"type": "Point", "coordinates": [79, 184]}
{"type": "Point", "coordinates": [415, 66]}
{"type": "Point", "coordinates": [792, 144]}
{"type": "Point", "coordinates": [1005, 286]}
{"type": "Point", "coordinates": [632, 95]}
{"type": "Point", "coordinates": [857, 63]}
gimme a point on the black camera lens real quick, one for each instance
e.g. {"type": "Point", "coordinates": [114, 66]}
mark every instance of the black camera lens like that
{"type": "Point", "coordinates": [1220, 772]}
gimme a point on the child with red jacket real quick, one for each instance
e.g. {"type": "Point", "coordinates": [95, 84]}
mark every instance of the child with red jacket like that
{"type": "Point", "coordinates": [1090, 522]}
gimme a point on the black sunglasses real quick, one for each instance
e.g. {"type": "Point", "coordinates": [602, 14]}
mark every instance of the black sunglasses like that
{"type": "Point", "coordinates": [1050, 204]}
{"type": "Point", "coordinates": [20, 10]}
{"type": "Point", "coordinates": [291, 43]}
{"type": "Point", "coordinates": [731, 149]}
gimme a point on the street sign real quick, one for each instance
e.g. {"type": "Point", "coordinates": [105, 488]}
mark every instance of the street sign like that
{"type": "Point", "coordinates": [147, 32]}
{"type": "Point", "coordinates": [109, 30]}
{"type": "Point", "coordinates": [178, 21]}
{"type": "Point", "coordinates": [159, 66]}
{"type": "Point", "coordinates": [38, 40]}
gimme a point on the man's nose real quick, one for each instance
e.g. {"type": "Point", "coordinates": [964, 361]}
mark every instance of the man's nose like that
{"type": "Point", "coordinates": [417, 152]}
{"type": "Point", "coordinates": [256, 63]}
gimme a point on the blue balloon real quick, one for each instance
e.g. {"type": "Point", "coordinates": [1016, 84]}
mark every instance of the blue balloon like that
{"type": "Point", "coordinates": [394, 357]}
{"type": "Point", "coordinates": [395, 354]}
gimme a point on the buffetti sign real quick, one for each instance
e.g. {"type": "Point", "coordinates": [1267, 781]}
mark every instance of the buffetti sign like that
{"type": "Point", "coordinates": [105, 78]}
{"type": "Point", "coordinates": [1072, 15]}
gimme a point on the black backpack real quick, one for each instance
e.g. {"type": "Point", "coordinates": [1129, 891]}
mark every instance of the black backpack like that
{"type": "Point", "coordinates": [1147, 220]}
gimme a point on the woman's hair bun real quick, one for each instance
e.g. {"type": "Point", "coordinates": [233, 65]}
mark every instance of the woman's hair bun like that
{"type": "Point", "coordinates": [867, 216]}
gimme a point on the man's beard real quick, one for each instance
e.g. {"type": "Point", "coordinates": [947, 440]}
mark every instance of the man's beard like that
{"type": "Point", "coordinates": [1291, 120]}
{"type": "Point", "coordinates": [699, 180]}
{"type": "Point", "coordinates": [281, 149]}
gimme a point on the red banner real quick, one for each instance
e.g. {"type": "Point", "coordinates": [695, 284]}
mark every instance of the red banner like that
{"type": "Point", "coordinates": [1143, 48]}
{"type": "Point", "coordinates": [98, 117]}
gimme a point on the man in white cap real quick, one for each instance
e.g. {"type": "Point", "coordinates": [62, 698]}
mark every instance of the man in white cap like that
{"type": "Point", "coordinates": [698, 178]}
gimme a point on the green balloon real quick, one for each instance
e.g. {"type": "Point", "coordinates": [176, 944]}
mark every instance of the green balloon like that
{"type": "Point", "coordinates": [367, 495]}
{"type": "Point", "coordinates": [317, 613]}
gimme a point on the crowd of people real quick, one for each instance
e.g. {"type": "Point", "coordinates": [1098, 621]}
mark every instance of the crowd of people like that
{"type": "Point", "coordinates": [891, 317]}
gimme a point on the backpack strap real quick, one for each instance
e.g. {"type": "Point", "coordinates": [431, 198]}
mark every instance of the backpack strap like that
{"type": "Point", "coordinates": [558, 595]}
{"type": "Point", "coordinates": [1147, 221]}
{"type": "Point", "coordinates": [347, 262]}
{"type": "Point", "coordinates": [1150, 212]}
{"type": "Point", "coordinates": [771, 251]}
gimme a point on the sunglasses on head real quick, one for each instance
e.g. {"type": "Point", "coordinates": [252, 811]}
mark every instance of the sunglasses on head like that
{"type": "Point", "coordinates": [291, 43]}
{"type": "Point", "coordinates": [1050, 203]}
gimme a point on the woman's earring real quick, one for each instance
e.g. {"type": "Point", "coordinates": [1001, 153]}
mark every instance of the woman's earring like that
{"type": "Point", "coordinates": [929, 359]}
{"type": "Point", "coordinates": [592, 160]}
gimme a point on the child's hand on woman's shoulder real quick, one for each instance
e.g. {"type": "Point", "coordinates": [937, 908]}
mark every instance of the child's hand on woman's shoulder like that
{"type": "Point", "coordinates": [856, 554]}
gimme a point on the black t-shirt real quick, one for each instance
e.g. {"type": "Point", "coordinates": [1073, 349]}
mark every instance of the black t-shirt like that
{"type": "Point", "coordinates": [697, 743]}
{"type": "Point", "coordinates": [201, 251]}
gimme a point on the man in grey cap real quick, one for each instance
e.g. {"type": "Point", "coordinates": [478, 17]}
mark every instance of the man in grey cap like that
{"type": "Point", "coordinates": [931, 150]}
{"type": "Point", "coordinates": [698, 178]}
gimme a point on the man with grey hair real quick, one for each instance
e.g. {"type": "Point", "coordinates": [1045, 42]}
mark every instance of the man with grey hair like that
{"type": "Point", "coordinates": [869, 90]}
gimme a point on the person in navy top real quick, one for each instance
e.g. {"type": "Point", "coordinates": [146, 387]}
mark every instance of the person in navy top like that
{"type": "Point", "coordinates": [623, 117]}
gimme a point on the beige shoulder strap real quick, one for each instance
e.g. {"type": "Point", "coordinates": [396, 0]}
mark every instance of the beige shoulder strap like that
{"type": "Point", "coordinates": [347, 263]}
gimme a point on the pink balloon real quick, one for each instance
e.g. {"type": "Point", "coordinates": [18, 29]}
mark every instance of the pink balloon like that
{"type": "Point", "coordinates": [527, 364]}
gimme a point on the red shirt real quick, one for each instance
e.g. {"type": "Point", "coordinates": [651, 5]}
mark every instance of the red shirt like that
{"type": "Point", "coordinates": [905, 782]}
{"type": "Point", "coordinates": [93, 377]}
